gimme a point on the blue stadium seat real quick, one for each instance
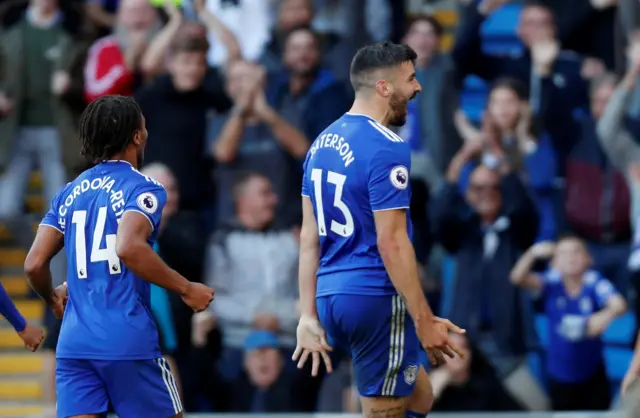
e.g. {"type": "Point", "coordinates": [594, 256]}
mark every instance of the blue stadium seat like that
{"type": "Point", "coordinates": [535, 361]}
{"type": "Point", "coordinates": [622, 331]}
{"type": "Point", "coordinates": [499, 31]}
{"type": "Point", "coordinates": [617, 361]}
{"type": "Point", "coordinates": [473, 97]}
{"type": "Point", "coordinates": [542, 328]}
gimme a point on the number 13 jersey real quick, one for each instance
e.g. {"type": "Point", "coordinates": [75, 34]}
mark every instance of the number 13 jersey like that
{"type": "Point", "coordinates": [355, 167]}
{"type": "Point", "coordinates": [108, 314]}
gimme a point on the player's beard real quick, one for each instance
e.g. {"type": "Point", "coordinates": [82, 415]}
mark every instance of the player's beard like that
{"type": "Point", "coordinates": [399, 109]}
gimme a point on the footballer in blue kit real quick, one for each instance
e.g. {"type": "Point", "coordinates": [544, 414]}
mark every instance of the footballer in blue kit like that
{"type": "Point", "coordinates": [107, 220]}
{"type": "Point", "coordinates": [359, 286]}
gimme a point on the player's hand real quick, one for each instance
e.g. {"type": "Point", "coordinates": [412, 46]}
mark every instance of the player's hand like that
{"type": "Point", "coordinates": [198, 296]}
{"type": "Point", "coordinates": [32, 336]}
{"type": "Point", "coordinates": [434, 337]}
{"type": "Point", "coordinates": [59, 300]}
{"type": "Point", "coordinates": [312, 340]}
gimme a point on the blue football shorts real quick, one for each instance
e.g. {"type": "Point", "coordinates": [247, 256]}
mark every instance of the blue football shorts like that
{"type": "Point", "coordinates": [380, 336]}
{"type": "Point", "coordinates": [136, 388]}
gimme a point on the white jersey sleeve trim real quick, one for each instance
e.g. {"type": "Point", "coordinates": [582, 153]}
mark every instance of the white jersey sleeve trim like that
{"type": "Point", "coordinates": [143, 214]}
{"type": "Point", "coordinates": [385, 209]}
{"type": "Point", "coordinates": [305, 195]}
{"type": "Point", "coordinates": [54, 227]}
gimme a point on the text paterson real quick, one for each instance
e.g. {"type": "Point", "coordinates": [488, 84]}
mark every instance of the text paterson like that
{"type": "Point", "coordinates": [336, 142]}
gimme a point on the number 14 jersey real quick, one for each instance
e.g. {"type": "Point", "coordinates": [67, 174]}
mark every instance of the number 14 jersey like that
{"type": "Point", "coordinates": [355, 167]}
{"type": "Point", "coordinates": [108, 314]}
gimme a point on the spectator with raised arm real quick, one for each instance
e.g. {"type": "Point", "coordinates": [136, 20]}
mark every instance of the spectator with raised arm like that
{"type": "Point", "coordinates": [509, 132]}
{"type": "Point", "coordinates": [114, 62]}
{"type": "Point", "coordinates": [580, 304]}
{"type": "Point", "coordinates": [254, 136]}
{"type": "Point", "coordinates": [541, 61]}
{"type": "Point", "coordinates": [485, 230]}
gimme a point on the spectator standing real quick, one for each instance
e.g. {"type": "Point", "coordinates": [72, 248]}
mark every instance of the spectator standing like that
{"type": "Point", "coordinates": [335, 50]}
{"type": "Point", "coordinates": [509, 132]}
{"type": "Point", "coordinates": [579, 304]}
{"type": "Point", "coordinates": [542, 61]}
{"type": "Point", "coordinates": [304, 92]}
{"type": "Point", "coordinates": [486, 231]}
{"type": "Point", "coordinates": [113, 62]}
{"type": "Point", "coordinates": [430, 129]}
{"type": "Point", "coordinates": [176, 106]}
{"type": "Point", "coordinates": [617, 141]}
{"type": "Point", "coordinates": [255, 137]}
{"type": "Point", "coordinates": [590, 176]}
{"type": "Point", "coordinates": [35, 56]}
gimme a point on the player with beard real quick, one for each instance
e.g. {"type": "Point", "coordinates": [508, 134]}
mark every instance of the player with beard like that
{"type": "Point", "coordinates": [107, 220]}
{"type": "Point", "coordinates": [358, 272]}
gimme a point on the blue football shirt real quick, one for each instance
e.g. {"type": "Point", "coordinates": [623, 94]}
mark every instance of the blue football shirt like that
{"type": "Point", "coordinates": [573, 357]}
{"type": "Point", "coordinates": [108, 314]}
{"type": "Point", "coordinates": [355, 167]}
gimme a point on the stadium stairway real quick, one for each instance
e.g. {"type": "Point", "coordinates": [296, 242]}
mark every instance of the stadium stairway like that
{"type": "Point", "coordinates": [21, 381]}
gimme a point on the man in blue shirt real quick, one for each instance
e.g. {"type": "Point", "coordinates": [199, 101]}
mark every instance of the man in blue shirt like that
{"type": "Point", "coordinates": [358, 272]}
{"type": "Point", "coordinates": [107, 220]}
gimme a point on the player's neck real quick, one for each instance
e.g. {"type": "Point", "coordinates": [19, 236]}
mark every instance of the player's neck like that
{"type": "Point", "coordinates": [122, 157]}
{"type": "Point", "coordinates": [372, 110]}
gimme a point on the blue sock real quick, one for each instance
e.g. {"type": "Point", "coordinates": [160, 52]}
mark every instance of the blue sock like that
{"type": "Point", "coordinates": [411, 414]}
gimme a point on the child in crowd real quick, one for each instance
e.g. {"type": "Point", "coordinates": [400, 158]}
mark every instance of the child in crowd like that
{"type": "Point", "coordinates": [580, 304]}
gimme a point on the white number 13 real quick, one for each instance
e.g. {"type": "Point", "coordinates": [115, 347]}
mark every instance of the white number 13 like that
{"type": "Point", "coordinates": [338, 180]}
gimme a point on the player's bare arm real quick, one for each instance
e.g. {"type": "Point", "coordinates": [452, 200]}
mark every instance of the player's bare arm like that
{"type": "Point", "coordinates": [48, 242]}
{"type": "Point", "coordinates": [134, 251]}
{"type": "Point", "coordinates": [634, 370]}
{"type": "Point", "coordinates": [311, 338]}
{"type": "Point", "coordinates": [399, 259]}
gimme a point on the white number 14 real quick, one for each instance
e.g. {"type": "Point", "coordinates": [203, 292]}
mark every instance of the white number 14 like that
{"type": "Point", "coordinates": [338, 180]}
{"type": "Point", "coordinates": [98, 254]}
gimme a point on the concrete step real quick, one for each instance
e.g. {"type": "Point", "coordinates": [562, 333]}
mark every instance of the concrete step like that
{"type": "Point", "coordinates": [12, 257]}
{"type": "Point", "coordinates": [16, 286]}
{"type": "Point", "coordinates": [21, 410]}
{"type": "Point", "coordinates": [15, 389]}
{"type": "Point", "coordinates": [20, 364]}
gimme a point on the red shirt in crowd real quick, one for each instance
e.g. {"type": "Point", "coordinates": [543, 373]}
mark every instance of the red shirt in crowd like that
{"type": "Point", "coordinates": [105, 71]}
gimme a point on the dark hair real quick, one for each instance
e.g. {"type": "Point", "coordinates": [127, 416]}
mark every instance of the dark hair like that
{"type": "Point", "coordinates": [513, 84]}
{"type": "Point", "coordinates": [422, 17]}
{"type": "Point", "coordinates": [381, 55]}
{"type": "Point", "coordinates": [302, 28]}
{"type": "Point", "coordinates": [107, 126]}
{"type": "Point", "coordinates": [190, 43]}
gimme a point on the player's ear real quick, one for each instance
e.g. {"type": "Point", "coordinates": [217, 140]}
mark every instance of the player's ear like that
{"type": "Point", "coordinates": [137, 139]}
{"type": "Point", "coordinates": [384, 88]}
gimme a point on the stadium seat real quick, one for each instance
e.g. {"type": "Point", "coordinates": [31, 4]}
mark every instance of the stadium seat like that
{"type": "Point", "coordinates": [499, 31]}
{"type": "Point", "coordinates": [542, 328]}
{"type": "Point", "coordinates": [622, 331]}
{"type": "Point", "coordinates": [617, 361]}
{"type": "Point", "coordinates": [474, 97]}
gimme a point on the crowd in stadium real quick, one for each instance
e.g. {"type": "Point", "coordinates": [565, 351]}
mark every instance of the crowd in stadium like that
{"type": "Point", "coordinates": [234, 92]}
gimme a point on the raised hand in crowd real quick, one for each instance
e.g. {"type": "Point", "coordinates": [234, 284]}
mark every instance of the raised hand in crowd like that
{"type": "Point", "coordinates": [6, 105]}
{"type": "Point", "coordinates": [544, 53]}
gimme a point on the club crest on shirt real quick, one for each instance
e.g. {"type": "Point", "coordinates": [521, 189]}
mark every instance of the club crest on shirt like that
{"type": "Point", "coordinates": [399, 177]}
{"type": "Point", "coordinates": [585, 305]}
{"type": "Point", "coordinates": [147, 202]}
{"type": "Point", "coordinates": [410, 374]}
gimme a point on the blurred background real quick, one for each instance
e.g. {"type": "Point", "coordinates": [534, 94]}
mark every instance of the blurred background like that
{"type": "Point", "coordinates": [235, 91]}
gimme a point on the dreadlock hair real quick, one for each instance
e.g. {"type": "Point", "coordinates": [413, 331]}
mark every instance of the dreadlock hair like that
{"type": "Point", "coordinates": [107, 126]}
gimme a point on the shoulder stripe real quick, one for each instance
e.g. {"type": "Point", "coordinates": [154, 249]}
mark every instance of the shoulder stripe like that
{"type": "Point", "coordinates": [386, 132]}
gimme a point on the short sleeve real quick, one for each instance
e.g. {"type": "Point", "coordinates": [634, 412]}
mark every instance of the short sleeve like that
{"type": "Point", "coordinates": [603, 291]}
{"type": "Point", "coordinates": [52, 218]}
{"type": "Point", "coordinates": [306, 190]}
{"type": "Point", "coordinates": [148, 199]}
{"type": "Point", "coordinates": [389, 179]}
{"type": "Point", "coordinates": [548, 279]}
